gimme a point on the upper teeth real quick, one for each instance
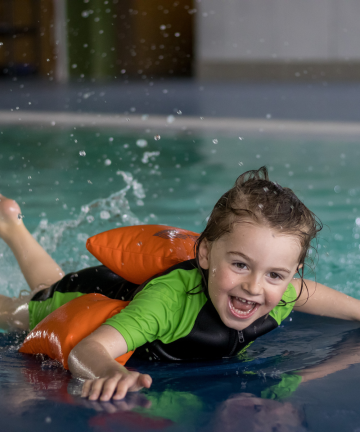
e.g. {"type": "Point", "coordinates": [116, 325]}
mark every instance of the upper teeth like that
{"type": "Point", "coordinates": [244, 301]}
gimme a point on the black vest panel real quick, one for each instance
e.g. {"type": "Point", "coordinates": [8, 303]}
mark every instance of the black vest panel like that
{"type": "Point", "coordinates": [99, 280]}
{"type": "Point", "coordinates": [209, 339]}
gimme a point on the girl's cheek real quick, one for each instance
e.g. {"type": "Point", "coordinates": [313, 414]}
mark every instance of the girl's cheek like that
{"type": "Point", "coordinates": [274, 298]}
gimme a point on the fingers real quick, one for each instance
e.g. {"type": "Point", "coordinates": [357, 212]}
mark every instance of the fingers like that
{"type": "Point", "coordinates": [146, 380]}
{"type": "Point", "coordinates": [130, 383]}
{"type": "Point", "coordinates": [136, 383]}
{"type": "Point", "coordinates": [96, 389]}
{"type": "Point", "coordinates": [116, 386]}
{"type": "Point", "coordinates": [111, 386]}
{"type": "Point", "coordinates": [86, 388]}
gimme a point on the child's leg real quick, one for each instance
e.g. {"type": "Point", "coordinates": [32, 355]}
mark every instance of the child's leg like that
{"type": "Point", "coordinates": [14, 312]}
{"type": "Point", "coordinates": [36, 265]}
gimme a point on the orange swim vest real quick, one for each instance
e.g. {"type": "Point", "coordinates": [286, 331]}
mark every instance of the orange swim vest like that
{"type": "Point", "coordinates": [135, 253]}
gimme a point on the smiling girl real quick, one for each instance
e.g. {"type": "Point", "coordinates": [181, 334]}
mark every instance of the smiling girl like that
{"type": "Point", "coordinates": [240, 286]}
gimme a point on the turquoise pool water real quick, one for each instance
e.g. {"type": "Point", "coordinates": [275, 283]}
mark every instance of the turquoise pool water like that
{"type": "Point", "coordinates": [66, 197]}
{"type": "Point", "coordinates": [72, 183]}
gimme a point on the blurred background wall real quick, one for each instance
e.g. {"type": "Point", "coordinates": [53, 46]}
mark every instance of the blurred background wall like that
{"type": "Point", "coordinates": [208, 39]}
{"type": "Point", "coordinates": [278, 39]}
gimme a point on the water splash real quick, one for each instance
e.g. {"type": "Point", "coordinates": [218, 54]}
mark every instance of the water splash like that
{"type": "Point", "coordinates": [65, 240]}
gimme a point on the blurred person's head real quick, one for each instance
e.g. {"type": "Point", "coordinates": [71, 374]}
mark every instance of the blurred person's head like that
{"type": "Point", "coordinates": [248, 413]}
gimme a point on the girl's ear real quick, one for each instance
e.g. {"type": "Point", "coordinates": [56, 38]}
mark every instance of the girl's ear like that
{"type": "Point", "coordinates": [204, 252]}
{"type": "Point", "coordinates": [299, 267]}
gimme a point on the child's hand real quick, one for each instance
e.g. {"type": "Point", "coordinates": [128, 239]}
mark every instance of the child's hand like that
{"type": "Point", "coordinates": [115, 385]}
{"type": "Point", "coordinates": [94, 358]}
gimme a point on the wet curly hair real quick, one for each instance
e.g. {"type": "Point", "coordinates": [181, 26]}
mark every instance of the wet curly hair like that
{"type": "Point", "coordinates": [255, 197]}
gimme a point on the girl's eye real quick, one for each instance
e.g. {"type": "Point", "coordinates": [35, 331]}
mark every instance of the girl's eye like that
{"type": "Point", "coordinates": [274, 275]}
{"type": "Point", "coordinates": [241, 266]}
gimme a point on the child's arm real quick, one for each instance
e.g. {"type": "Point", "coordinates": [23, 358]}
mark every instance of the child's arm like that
{"type": "Point", "coordinates": [329, 366]}
{"type": "Point", "coordinates": [93, 358]}
{"type": "Point", "coordinates": [322, 300]}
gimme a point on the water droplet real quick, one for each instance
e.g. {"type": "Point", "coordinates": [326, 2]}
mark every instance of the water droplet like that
{"type": "Point", "coordinates": [111, 139]}
{"type": "Point", "coordinates": [268, 116]}
{"type": "Point", "coordinates": [261, 206]}
{"type": "Point", "coordinates": [141, 143]}
{"type": "Point", "coordinates": [337, 189]}
{"type": "Point", "coordinates": [144, 117]}
{"type": "Point", "coordinates": [107, 162]}
{"type": "Point", "coordinates": [241, 138]}
{"type": "Point", "coordinates": [105, 215]}
{"type": "Point", "coordinates": [170, 119]}
{"type": "Point", "coordinates": [177, 34]}
{"type": "Point", "coordinates": [82, 153]}
{"type": "Point", "coordinates": [241, 163]}
{"type": "Point", "coordinates": [74, 66]}
{"type": "Point", "coordinates": [157, 137]}
{"type": "Point", "coordinates": [132, 109]}
{"type": "Point", "coordinates": [266, 189]}
{"type": "Point", "coordinates": [178, 112]}
{"type": "Point", "coordinates": [20, 216]}
{"type": "Point", "coordinates": [148, 155]}
{"type": "Point", "coordinates": [48, 420]}
{"type": "Point", "coordinates": [215, 141]}
{"type": "Point", "coordinates": [90, 219]}
{"type": "Point", "coordinates": [163, 27]}
{"type": "Point", "coordinates": [139, 244]}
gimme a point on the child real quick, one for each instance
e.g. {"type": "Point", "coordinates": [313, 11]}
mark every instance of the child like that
{"type": "Point", "coordinates": [240, 286]}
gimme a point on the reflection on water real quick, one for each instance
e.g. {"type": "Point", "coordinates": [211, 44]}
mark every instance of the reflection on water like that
{"type": "Point", "coordinates": [258, 393]}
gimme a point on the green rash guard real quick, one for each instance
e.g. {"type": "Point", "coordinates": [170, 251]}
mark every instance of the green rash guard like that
{"type": "Point", "coordinates": [164, 311]}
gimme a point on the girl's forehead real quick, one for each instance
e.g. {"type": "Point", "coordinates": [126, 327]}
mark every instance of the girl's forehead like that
{"type": "Point", "coordinates": [257, 237]}
{"type": "Point", "coordinates": [251, 228]}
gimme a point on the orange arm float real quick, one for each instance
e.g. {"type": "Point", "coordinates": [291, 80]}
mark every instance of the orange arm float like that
{"type": "Point", "coordinates": [139, 252]}
{"type": "Point", "coordinates": [58, 333]}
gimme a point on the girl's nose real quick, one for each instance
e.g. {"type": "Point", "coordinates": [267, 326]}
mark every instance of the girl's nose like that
{"type": "Point", "coordinates": [252, 286]}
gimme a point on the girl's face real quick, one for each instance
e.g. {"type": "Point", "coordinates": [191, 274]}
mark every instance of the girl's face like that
{"type": "Point", "coordinates": [249, 271]}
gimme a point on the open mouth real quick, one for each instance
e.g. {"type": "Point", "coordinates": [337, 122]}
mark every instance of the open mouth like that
{"type": "Point", "coordinates": [242, 308]}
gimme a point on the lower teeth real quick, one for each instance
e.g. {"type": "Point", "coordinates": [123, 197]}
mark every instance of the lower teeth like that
{"type": "Point", "coordinates": [239, 311]}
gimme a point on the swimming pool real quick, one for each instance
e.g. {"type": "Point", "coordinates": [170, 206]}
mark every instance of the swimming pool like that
{"type": "Point", "coordinates": [74, 182]}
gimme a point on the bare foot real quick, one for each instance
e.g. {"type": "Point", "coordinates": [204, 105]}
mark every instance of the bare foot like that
{"type": "Point", "coordinates": [10, 217]}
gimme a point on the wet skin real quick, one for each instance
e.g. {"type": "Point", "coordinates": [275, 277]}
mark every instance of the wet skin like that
{"type": "Point", "coordinates": [253, 263]}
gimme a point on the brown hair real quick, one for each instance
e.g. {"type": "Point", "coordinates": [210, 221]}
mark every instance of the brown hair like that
{"type": "Point", "coordinates": [254, 196]}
